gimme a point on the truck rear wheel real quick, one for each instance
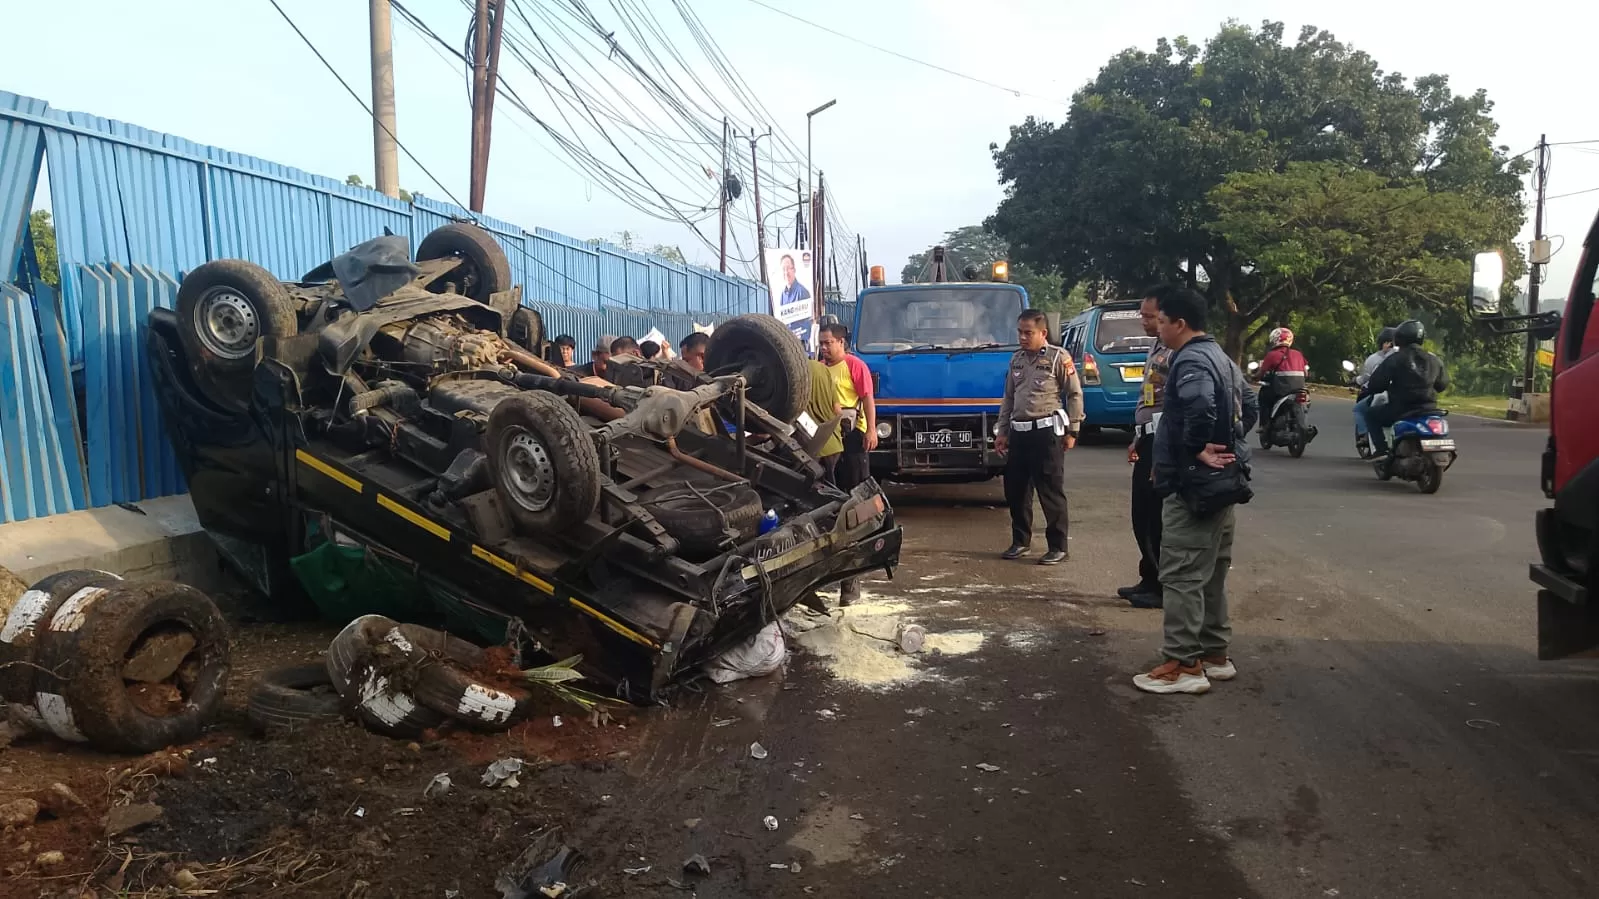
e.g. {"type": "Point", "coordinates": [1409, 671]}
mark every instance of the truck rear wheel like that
{"type": "Point", "coordinates": [544, 464]}
{"type": "Point", "coordinates": [771, 359]}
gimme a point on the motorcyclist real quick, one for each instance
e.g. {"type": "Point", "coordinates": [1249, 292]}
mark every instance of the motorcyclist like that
{"type": "Point", "coordinates": [1281, 358]}
{"type": "Point", "coordinates": [1363, 404]}
{"type": "Point", "coordinates": [1412, 378]}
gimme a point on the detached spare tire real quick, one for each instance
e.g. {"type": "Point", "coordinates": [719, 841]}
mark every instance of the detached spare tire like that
{"type": "Point", "coordinates": [543, 461]}
{"type": "Point", "coordinates": [484, 270]}
{"type": "Point", "coordinates": [701, 520]}
{"type": "Point", "coordinates": [451, 680]}
{"type": "Point", "coordinates": [292, 697]}
{"type": "Point", "coordinates": [224, 308]}
{"type": "Point", "coordinates": [771, 359]}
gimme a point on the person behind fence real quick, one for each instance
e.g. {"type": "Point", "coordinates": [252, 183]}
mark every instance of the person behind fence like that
{"type": "Point", "coordinates": [649, 349]}
{"type": "Point", "coordinates": [691, 349]}
{"type": "Point", "coordinates": [566, 351]}
{"type": "Point", "coordinates": [1039, 417]}
{"type": "Point", "coordinates": [1141, 455]}
{"type": "Point", "coordinates": [624, 344]}
{"type": "Point", "coordinates": [1202, 472]}
{"type": "Point", "coordinates": [598, 359]}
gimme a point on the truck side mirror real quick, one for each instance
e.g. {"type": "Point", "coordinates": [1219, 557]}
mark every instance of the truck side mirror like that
{"type": "Point", "coordinates": [1487, 278]}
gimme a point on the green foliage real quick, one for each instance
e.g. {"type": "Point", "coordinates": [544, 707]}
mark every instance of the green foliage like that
{"type": "Point", "coordinates": [43, 230]}
{"type": "Point", "coordinates": [1288, 181]}
{"type": "Point", "coordinates": [627, 241]}
{"type": "Point", "coordinates": [355, 181]}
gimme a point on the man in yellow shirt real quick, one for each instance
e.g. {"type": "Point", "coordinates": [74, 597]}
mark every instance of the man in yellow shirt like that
{"type": "Point", "coordinates": [854, 383]}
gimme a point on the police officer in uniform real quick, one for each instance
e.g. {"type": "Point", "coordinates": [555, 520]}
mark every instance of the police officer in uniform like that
{"type": "Point", "coordinates": [1038, 422]}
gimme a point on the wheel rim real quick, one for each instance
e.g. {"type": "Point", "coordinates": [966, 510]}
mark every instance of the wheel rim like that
{"type": "Point", "coordinates": [1430, 474]}
{"type": "Point", "coordinates": [226, 323]}
{"type": "Point", "coordinates": [529, 472]}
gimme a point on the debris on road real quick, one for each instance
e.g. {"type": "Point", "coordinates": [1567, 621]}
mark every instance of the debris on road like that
{"type": "Point", "coordinates": [984, 766]}
{"type": "Point", "coordinates": [528, 878]}
{"type": "Point", "coordinates": [18, 813]}
{"type": "Point", "coordinates": [634, 872]}
{"type": "Point", "coordinates": [439, 786]}
{"type": "Point", "coordinates": [502, 773]}
{"type": "Point", "coordinates": [763, 653]}
{"type": "Point", "coordinates": [911, 638]}
{"type": "Point", "coordinates": [697, 864]}
{"type": "Point", "coordinates": [757, 751]}
{"type": "Point", "coordinates": [124, 818]}
{"type": "Point", "coordinates": [770, 822]}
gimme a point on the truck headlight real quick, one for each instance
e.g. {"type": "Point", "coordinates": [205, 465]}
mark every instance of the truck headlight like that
{"type": "Point", "coordinates": [884, 430]}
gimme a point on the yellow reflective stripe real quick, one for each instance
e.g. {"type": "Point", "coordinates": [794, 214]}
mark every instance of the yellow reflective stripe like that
{"type": "Point", "coordinates": [511, 569]}
{"type": "Point", "coordinates": [434, 528]}
{"type": "Point", "coordinates": [317, 465]}
{"type": "Point", "coordinates": [613, 624]}
{"type": "Point", "coordinates": [794, 555]}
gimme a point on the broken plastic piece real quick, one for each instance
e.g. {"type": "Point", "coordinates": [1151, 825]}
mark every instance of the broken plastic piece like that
{"type": "Point", "coordinates": [984, 766]}
{"type": "Point", "coordinates": [502, 772]}
{"type": "Point", "coordinates": [757, 751]}
{"type": "Point", "coordinates": [438, 786]}
{"type": "Point", "coordinates": [526, 877]}
{"type": "Point", "coordinates": [770, 822]}
{"type": "Point", "coordinates": [697, 864]}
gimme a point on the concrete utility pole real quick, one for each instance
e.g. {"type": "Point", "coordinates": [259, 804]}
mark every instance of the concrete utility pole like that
{"type": "Point", "coordinates": [808, 116]}
{"type": "Point", "coordinates": [1529, 384]}
{"type": "Point", "coordinates": [488, 25]}
{"type": "Point", "coordinates": [801, 239]}
{"type": "Point", "coordinates": [385, 148]}
{"type": "Point", "coordinates": [722, 190]}
{"type": "Point", "coordinates": [760, 223]}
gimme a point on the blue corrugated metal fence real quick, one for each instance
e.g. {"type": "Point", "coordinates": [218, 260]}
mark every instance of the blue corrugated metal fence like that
{"type": "Point", "coordinates": [135, 209]}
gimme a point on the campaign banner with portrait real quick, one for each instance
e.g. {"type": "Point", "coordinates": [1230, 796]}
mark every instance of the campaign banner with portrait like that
{"type": "Point", "coordinates": [789, 278]}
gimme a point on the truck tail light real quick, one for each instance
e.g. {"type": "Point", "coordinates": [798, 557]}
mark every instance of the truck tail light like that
{"type": "Point", "coordinates": [1090, 369]}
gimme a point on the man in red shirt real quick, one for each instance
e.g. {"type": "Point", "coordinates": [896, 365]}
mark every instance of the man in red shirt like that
{"type": "Point", "coordinates": [1280, 358]}
{"type": "Point", "coordinates": [854, 385]}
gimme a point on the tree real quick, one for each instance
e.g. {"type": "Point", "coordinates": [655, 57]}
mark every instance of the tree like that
{"type": "Point", "coordinates": [355, 181]}
{"type": "Point", "coordinates": [974, 245]}
{"type": "Point", "coordinates": [1131, 187]}
{"type": "Point", "coordinates": [625, 240]}
{"type": "Point", "coordinates": [43, 229]}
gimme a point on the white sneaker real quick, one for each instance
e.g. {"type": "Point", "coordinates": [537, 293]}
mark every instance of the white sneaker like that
{"type": "Point", "coordinates": [1223, 670]}
{"type": "Point", "coordinates": [1172, 677]}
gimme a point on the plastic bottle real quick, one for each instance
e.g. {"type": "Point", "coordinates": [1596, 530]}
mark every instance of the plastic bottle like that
{"type": "Point", "coordinates": [769, 521]}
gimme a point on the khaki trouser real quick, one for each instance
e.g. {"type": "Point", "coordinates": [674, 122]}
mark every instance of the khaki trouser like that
{"type": "Point", "coordinates": [1195, 554]}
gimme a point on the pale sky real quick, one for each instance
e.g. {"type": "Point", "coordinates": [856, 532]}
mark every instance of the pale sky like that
{"type": "Point", "coordinates": [905, 150]}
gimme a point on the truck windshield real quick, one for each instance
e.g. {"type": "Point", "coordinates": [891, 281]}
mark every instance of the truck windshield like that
{"type": "Point", "coordinates": [937, 317]}
{"type": "Point", "coordinates": [1121, 331]}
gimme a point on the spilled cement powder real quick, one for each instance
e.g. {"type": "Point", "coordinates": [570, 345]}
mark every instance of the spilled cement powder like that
{"type": "Point", "coordinates": [858, 645]}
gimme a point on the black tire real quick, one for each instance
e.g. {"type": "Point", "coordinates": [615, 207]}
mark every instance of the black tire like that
{"type": "Point", "coordinates": [771, 359]}
{"type": "Point", "coordinates": [292, 697]}
{"type": "Point", "coordinates": [1384, 472]}
{"type": "Point", "coordinates": [26, 620]}
{"type": "Point", "coordinates": [351, 645]}
{"type": "Point", "coordinates": [543, 461]}
{"type": "Point", "coordinates": [699, 531]}
{"type": "Point", "coordinates": [484, 272]}
{"type": "Point", "coordinates": [224, 307]}
{"type": "Point", "coordinates": [445, 685]}
{"type": "Point", "coordinates": [1296, 444]}
{"type": "Point", "coordinates": [383, 706]}
{"type": "Point", "coordinates": [91, 657]}
{"type": "Point", "coordinates": [1431, 478]}
{"type": "Point", "coordinates": [1265, 438]}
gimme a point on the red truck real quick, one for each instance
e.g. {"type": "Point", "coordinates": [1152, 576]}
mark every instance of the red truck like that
{"type": "Point", "coordinates": [1568, 531]}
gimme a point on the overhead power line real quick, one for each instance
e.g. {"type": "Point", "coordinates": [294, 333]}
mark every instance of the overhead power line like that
{"type": "Point", "coordinates": [908, 58]}
{"type": "Point", "coordinates": [358, 99]}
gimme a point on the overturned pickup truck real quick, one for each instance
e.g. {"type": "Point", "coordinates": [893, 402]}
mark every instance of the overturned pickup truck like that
{"type": "Point", "coordinates": [403, 406]}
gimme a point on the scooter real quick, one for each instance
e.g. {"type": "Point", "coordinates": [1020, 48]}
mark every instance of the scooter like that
{"type": "Point", "coordinates": [1284, 423]}
{"type": "Point", "coordinates": [1422, 451]}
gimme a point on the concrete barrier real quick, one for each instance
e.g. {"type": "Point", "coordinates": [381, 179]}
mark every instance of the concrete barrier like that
{"type": "Point", "coordinates": [158, 538]}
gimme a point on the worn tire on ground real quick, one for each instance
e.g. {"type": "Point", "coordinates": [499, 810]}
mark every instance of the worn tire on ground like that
{"type": "Point", "coordinates": [91, 654]}
{"type": "Point", "coordinates": [351, 645]}
{"type": "Point", "coordinates": [21, 627]}
{"type": "Point", "coordinates": [445, 684]}
{"type": "Point", "coordinates": [485, 270]}
{"type": "Point", "coordinates": [545, 468]}
{"type": "Point", "coordinates": [224, 307]}
{"type": "Point", "coordinates": [698, 529]}
{"type": "Point", "coordinates": [383, 706]}
{"type": "Point", "coordinates": [291, 697]}
{"type": "Point", "coordinates": [771, 359]}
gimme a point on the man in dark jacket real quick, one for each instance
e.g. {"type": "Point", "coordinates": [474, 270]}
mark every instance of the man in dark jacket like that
{"type": "Point", "coordinates": [1208, 411]}
{"type": "Point", "coordinates": [1412, 378]}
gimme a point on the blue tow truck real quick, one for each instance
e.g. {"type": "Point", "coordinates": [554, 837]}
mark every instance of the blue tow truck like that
{"type": "Point", "coordinates": [938, 353]}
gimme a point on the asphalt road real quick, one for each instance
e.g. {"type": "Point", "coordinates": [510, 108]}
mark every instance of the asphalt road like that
{"type": "Point", "coordinates": [1390, 733]}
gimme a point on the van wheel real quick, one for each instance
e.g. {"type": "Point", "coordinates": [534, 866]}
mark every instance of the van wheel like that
{"type": "Point", "coordinates": [543, 461]}
{"type": "Point", "coordinates": [771, 359]}
{"type": "Point", "coordinates": [224, 308]}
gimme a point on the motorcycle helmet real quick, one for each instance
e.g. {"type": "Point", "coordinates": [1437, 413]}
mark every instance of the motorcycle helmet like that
{"type": "Point", "coordinates": [1280, 337]}
{"type": "Point", "coordinates": [1410, 333]}
{"type": "Point", "coordinates": [1386, 335]}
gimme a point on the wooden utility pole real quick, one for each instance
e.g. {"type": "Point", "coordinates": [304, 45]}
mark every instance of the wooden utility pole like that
{"type": "Point", "coordinates": [1529, 371]}
{"type": "Point", "coordinates": [722, 191]}
{"type": "Point", "coordinates": [488, 26]}
{"type": "Point", "coordinates": [760, 223]}
{"type": "Point", "coordinates": [385, 147]}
